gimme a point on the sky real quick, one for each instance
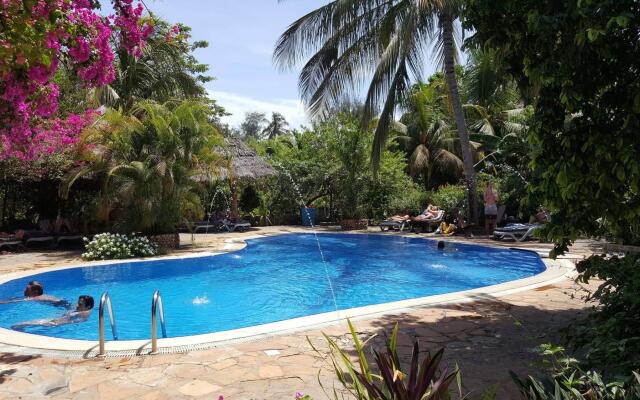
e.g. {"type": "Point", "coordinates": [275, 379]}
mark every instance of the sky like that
{"type": "Point", "coordinates": [241, 36]}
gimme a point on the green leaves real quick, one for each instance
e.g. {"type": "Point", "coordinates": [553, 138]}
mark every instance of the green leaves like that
{"type": "Point", "coordinates": [423, 380]}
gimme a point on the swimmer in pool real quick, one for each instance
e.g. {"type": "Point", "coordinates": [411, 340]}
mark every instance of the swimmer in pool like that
{"type": "Point", "coordinates": [81, 313]}
{"type": "Point", "coordinates": [34, 291]}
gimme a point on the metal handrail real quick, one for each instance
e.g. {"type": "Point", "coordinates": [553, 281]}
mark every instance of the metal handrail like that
{"type": "Point", "coordinates": [105, 299]}
{"type": "Point", "coordinates": [156, 303]}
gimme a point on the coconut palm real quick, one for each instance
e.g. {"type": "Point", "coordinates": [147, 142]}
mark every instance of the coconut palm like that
{"type": "Point", "coordinates": [493, 101]}
{"type": "Point", "coordinates": [166, 71]}
{"type": "Point", "coordinates": [346, 41]}
{"type": "Point", "coordinates": [428, 138]}
{"type": "Point", "coordinates": [278, 126]}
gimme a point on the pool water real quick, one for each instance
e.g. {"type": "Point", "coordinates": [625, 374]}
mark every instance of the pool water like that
{"type": "Point", "coordinates": [272, 279]}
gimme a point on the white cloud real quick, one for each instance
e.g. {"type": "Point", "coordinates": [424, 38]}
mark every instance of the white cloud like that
{"type": "Point", "coordinates": [238, 105]}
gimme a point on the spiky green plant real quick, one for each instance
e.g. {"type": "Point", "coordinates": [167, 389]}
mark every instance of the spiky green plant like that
{"type": "Point", "coordinates": [423, 381]}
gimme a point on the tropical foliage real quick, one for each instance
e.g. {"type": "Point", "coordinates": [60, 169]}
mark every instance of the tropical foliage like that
{"type": "Point", "coordinates": [145, 162]}
{"type": "Point", "coordinates": [278, 126]}
{"type": "Point", "coordinates": [343, 44]}
{"type": "Point", "coordinates": [586, 110]}
{"type": "Point", "coordinates": [568, 381]}
{"type": "Point", "coordinates": [327, 166]}
{"type": "Point", "coordinates": [422, 381]}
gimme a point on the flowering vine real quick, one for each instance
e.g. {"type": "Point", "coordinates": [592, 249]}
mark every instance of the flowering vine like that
{"type": "Point", "coordinates": [36, 37]}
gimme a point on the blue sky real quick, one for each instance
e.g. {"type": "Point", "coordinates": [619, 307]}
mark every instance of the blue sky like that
{"type": "Point", "coordinates": [241, 36]}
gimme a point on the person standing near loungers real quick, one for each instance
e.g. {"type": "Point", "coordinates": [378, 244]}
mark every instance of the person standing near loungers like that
{"type": "Point", "coordinates": [490, 208]}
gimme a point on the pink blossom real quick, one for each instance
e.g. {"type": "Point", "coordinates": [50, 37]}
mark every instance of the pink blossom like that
{"type": "Point", "coordinates": [29, 124]}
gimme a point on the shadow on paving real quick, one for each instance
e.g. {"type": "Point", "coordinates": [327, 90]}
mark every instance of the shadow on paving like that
{"type": "Point", "coordinates": [486, 339]}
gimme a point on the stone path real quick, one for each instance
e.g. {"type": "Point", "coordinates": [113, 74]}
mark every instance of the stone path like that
{"type": "Point", "coordinates": [486, 339]}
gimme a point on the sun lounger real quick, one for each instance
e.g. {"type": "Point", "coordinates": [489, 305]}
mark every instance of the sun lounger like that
{"type": "Point", "coordinates": [233, 226]}
{"type": "Point", "coordinates": [428, 224]}
{"type": "Point", "coordinates": [10, 242]}
{"type": "Point", "coordinates": [516, 232]}
{"type": "Point", "coordinates": [207, 227]}
{"type": "Point", "coordinates": [394, 224]}
{"type": "Point", "coordinates": [39, 239]}
{"type": "Point", "coordinates": [68, 238]}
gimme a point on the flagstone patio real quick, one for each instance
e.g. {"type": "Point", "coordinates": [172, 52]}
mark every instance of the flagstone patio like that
{"type": "Point", "coordinates": [486, 339]}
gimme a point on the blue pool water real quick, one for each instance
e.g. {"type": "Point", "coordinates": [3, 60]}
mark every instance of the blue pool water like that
{"type": "Point", "coordinates": [272, 279]}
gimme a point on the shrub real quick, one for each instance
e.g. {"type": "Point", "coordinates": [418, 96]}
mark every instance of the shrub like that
{"type": "Point", "coordinates": [611, 334]}
{"type": "Point", "coordinates": [411, 200]}
{"type": "Point", "coordinates": [449, 197]}
{"type": "Point", "coordinates": [423, 380]}
{"type": "Point", "coordinates": [110, 246]}
{"type": "Point", "coordinates": [569, 382]}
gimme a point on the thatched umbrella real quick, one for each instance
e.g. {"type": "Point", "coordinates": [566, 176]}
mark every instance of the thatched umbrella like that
{"type": "Point", "coordinates": [241, 163]}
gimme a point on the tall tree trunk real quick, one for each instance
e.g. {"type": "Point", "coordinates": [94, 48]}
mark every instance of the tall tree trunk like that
{"type": "Point", "coordinates": [446, 24]}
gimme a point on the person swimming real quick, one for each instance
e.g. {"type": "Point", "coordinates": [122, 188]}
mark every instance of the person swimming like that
{"type": "Point", "coordinates": [441, 245]}
{"type": "Point", "coordinates": [34, 291]}
{"type": "Point", "coordinates": [81, 313]}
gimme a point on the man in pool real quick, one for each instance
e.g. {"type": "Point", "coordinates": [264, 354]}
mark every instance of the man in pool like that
{"type": "Point", "coordinates": [81, 313]}
{"type": "Point", "coordinates": [34, 291]}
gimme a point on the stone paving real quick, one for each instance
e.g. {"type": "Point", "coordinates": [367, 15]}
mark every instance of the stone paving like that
{"type": "Point", "coordinates": [486, 339]}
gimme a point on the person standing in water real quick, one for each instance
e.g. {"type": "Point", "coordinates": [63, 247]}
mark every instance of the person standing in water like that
{"type": "Point", "coordinates": [34, 291]}
{"type": "Point", "coordinates": [490, 208]}
{"type": "Point", "coordinates": [81, 313]}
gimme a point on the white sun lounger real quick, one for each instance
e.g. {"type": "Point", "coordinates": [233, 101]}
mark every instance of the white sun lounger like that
{"type": "Point", "coordinates": [516, 232]}
{"type": "Point", "coordinates": [205, 228]}
{"type": "Point", "coordinates": [233, 226]}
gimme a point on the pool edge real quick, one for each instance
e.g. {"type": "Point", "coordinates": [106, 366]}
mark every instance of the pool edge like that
{"type": "Point", "coordinates": [12, 341]}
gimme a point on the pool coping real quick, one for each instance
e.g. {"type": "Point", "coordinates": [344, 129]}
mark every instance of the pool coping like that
{"type": "Point", "coordinates": [556, 270]}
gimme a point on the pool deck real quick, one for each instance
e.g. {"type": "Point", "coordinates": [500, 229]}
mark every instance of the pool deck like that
{"type": "Point", "coordinates": [486, 338]}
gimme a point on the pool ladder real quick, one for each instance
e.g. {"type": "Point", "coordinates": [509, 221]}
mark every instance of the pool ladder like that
{"type": "Point", "coordinates": [106, 300]}
{"type": "Point", "coordinates": [156, 306]}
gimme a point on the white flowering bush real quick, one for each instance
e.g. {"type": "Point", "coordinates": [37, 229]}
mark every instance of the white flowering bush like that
{"type": "Point", "coordinates": [111, 246]}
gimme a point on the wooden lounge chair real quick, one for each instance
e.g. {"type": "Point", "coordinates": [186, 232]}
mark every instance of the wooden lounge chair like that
{"type": "Point", "coordinates": [516, 232]}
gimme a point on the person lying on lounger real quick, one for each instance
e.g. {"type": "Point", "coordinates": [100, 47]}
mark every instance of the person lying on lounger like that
{"type": "Point", "coordinates": [399, 218]}
{"type": "Point", "coordinates": [81, 313]}
{"type": "Point", "coordinates": [430, 213]}
{"type": "Point", "coordinates": [34, 291]}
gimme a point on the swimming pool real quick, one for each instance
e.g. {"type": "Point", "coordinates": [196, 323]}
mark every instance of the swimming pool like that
{"type": "Point", "coordinates": [273, 279]}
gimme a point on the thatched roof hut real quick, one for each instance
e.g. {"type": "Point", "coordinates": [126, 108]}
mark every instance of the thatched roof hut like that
{"type": "Point", "coordinates": [242, 163]}
{"type": "Point", "coordinates": [245, 162]}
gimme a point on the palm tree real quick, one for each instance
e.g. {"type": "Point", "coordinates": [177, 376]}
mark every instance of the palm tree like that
{"type": "Point", "coordinates": [346, 41]}
{"type": "Point", "coordinates": [428, 139]}
{"type": "Point", "coordinates": [145, 162]}
{"type": "Point", "coordinates": [278, 126]}
{"type": "Point", "coordinates": [166, 71]}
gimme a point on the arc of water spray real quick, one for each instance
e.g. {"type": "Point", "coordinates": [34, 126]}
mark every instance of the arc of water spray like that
{"type": "Point", "coordinates": [313, 230]}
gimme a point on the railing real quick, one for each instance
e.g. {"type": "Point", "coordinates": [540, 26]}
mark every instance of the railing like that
{"type": "Point", "coordinates": [105, 299]}
{"type": "Point", "coordinates": [156, 304]}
